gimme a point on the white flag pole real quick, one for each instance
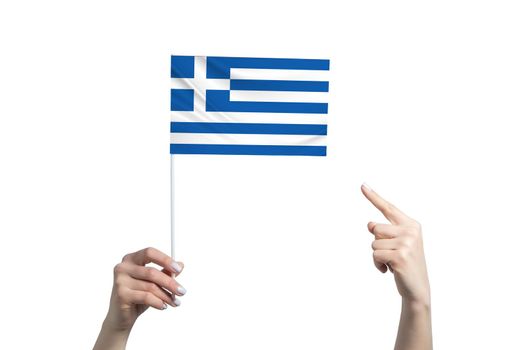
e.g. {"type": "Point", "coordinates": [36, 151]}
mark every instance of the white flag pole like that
{"type": "Point", "coordinates": [172, 208]}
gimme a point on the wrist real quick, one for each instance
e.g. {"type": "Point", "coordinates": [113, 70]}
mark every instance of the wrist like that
{"type": "Point", "coordinates": [416, 305]}
{"type": "Point", "coordinates": [110, 328]}
{"type": "Point", "coordinates": [417, 298]}
{"type": "Point", "coordinates": [111, 338]}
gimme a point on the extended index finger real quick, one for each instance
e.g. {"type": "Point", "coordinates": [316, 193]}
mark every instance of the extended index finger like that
{"type": "Point", "coordinates": [393, 214]}
{"type": "Point", "coordinates": [148, 255]}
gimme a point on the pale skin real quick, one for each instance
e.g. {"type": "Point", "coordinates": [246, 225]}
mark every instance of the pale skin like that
{"type": "Point", "coordinates": [398, 247]}
{"type": "Point", "coordinates": [137, 287]}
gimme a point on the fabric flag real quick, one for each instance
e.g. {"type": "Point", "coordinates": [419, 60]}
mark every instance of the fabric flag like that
{"type": "Point", "coordinates": [249, 106]}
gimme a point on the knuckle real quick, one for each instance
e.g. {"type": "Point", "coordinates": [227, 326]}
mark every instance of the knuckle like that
{"type": "Point", "coordinates": [149, 251]}
{"type": "Point", "coordinates": [119, 281]}
{"type": "Point", "coordinates": [118, 269]}
{"type": "Point", "coordinates": [402, 255]}
{"type": "Point", "coordinates": [374, 245]}
{"type": "Point", "coordinates": [150, 273]}
{"type": "Point", "coordinates": [126, 257]}
{"type": "Point", "coordinates": [387, 210]}
{"type": "Point", "coordinates": [407, 242]}
{"type": "Point", "coordinates": [150, 287]}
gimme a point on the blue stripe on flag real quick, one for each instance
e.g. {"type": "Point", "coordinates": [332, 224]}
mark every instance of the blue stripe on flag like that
{"type": "Point", "coordinates": [248, 150]}
{"type": "Point", "coordinates": [219, 101]}
{"type": "Point", "coordinates": [219, 67]}
{"type": "Point", "coordinates": [249, 128]}
{"type": "Point", "coordinates": [278, 85]}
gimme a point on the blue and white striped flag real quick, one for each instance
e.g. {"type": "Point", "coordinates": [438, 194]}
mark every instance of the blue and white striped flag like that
{"type": "Point", "coordinates": [252, 106]}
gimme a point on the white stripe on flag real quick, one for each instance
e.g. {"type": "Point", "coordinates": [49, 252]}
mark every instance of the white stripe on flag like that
{"type": "Point", "coordinates": [190, 83]}
{"type": "Point", "coordinates": [278, 96]}
{"type": "Point", "coordinates": [278, 74]}
{"type": "Point", "coordinates": [241, 117]}
{"type": "Point", "coordinates": [248, 139]}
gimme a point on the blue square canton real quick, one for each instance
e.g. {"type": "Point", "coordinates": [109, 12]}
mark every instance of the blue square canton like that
{"type": "Point", "coordinates": [182, 66]}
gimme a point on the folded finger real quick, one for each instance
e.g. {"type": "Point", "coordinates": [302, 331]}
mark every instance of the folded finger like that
{"type": "Point", "coordinates": [381, 267]}
{"type": "Point", "coordinates": [150, 287]}
{"type": "Point", "coordinates": [384, 257]}
{"type": "Point", "coordinates": [383, 230]}
{"type": "Point", "coordinates": [153, 275]}
{"type": "Point", "coordinates": [385, 244]}
{"type": "Point", "coordinates": [152, 255]}
{"type": "Point", "coordinates": [139, 297]}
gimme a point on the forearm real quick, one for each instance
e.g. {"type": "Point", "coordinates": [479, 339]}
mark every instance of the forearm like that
{"type": "Point", "coordinates": [111, 339]}
{"type": "Point", "coordinates": [415, 329]}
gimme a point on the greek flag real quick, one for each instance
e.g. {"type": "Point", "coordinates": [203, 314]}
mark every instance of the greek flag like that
{"type": "Point", "coordinates": [249, 106]}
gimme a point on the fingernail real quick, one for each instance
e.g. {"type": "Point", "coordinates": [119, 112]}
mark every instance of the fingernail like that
{"type": "Point", "coordinates": [181, 290]}
{"type": "Point", "coordinates": [365, 185]}
{"type": "Point", "coordinates": [176, 266]}
{"type": "Point", "coordinates": [176, 301]}
{"type": "Point", "coordinates": [165, 306]}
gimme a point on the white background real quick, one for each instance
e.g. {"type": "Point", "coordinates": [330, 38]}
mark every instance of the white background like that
{"type": "Point", "coordinates": [427, 106]}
